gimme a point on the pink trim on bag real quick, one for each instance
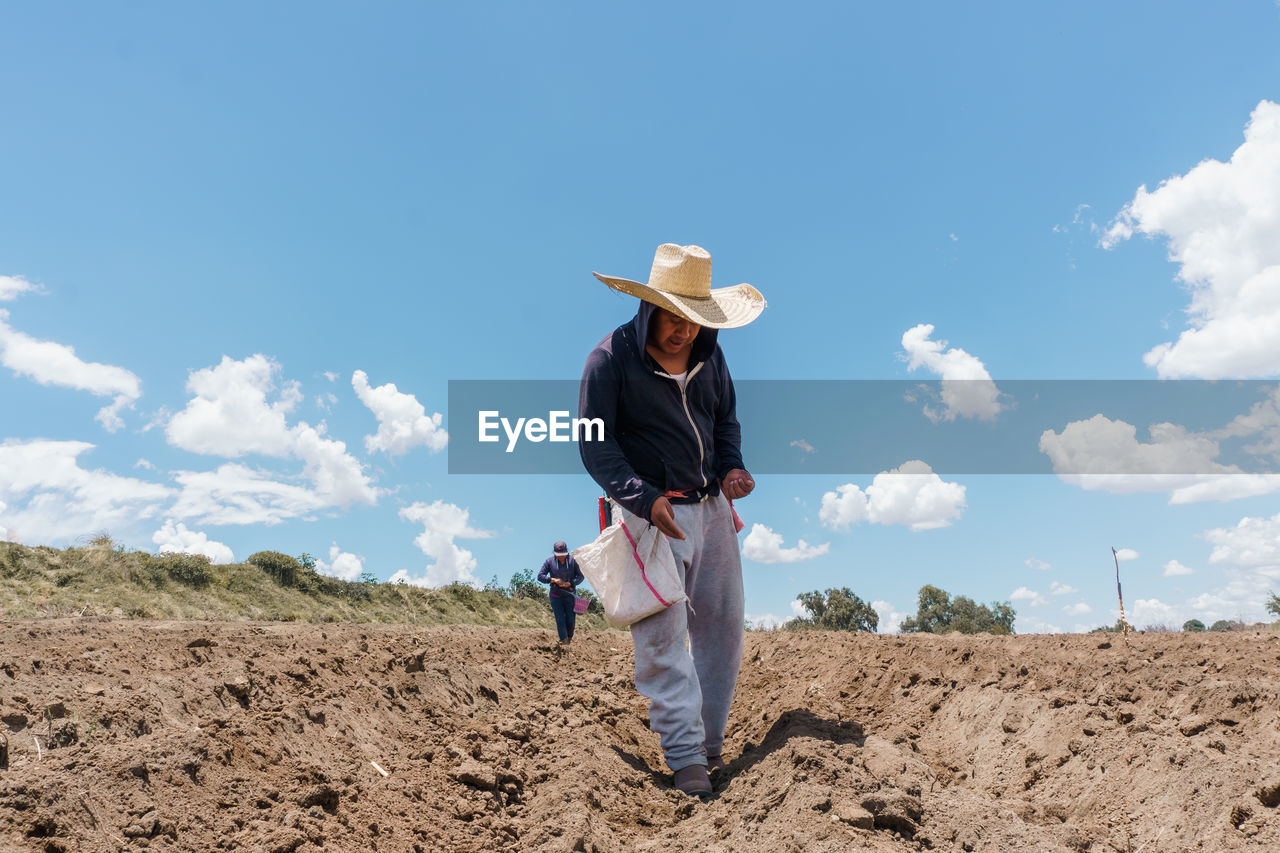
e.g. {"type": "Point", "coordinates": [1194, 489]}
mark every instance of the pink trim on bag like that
{"type": "Point", "coordinates": [636, 554]}
{"type": "Point", "coordinates": [737, 520]}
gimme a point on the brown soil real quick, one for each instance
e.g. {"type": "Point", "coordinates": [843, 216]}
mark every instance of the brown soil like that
{"type": "Point", "coordinates": [223, 736]}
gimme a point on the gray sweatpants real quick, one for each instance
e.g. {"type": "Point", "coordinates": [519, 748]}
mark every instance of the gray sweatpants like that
{"type": "Point", "coordinates": [690, 689]}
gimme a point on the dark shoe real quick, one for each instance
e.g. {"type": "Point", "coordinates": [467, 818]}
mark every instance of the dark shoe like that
{"type": "Point", "coordinates": [694, 781]}
{"type": "Point", "coordinates": [714, 763]}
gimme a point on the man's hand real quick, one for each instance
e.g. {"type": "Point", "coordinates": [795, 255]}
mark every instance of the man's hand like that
{"type": "Point", "coordinates": [737, 484]}
{"type": "Point", "coordinates": [664, 518]}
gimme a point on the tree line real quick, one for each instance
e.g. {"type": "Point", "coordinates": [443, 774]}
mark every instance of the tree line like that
{"type": "Point", "coordinates": [937, 612]}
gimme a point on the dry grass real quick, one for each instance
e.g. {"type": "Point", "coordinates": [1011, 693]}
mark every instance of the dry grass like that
{"type": "Point", "coordinates": [102, 580]}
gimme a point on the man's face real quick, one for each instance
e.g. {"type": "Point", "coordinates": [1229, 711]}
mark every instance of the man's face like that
{"type": "Point", "coordinates": [561, 558]}
{"type": "Point", "coordinates": [671, 333]}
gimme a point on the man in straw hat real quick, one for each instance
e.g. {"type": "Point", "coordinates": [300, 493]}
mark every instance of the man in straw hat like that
{"type": "Point", "coordinates": [671, 455]}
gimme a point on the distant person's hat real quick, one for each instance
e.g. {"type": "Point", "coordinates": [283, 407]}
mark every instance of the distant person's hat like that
{"type": "Point", "coordinates": [560, 549]}
{"type": "Point", "coordinates": [680, 282]}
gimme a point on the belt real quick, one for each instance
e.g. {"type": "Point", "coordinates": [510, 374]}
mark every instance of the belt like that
{"type": "Point", "coordinates": [692, 496]}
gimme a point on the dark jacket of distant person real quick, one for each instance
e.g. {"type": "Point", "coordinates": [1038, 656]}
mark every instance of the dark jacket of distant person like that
{"type": "Point", "coordinates": [553, 569]}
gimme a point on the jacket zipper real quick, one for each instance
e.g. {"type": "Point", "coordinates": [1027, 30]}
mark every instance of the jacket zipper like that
{"type": "Point", "coordinates": [684, 401]}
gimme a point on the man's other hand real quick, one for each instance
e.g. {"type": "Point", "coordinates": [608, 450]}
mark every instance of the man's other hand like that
{"type": "Point", "coordinates": [664, 518]}
{"type": "Point", "coordinates": [737, 484]}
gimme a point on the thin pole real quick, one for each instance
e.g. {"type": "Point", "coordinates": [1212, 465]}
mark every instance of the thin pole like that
{"type": "Point", "coordinates": [1119, 594]}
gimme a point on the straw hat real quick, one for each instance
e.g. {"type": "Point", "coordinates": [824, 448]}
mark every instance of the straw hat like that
{"type": "Point", "coordinates": [680, 281]}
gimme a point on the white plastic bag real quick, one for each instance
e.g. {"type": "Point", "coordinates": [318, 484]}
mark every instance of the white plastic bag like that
{"type": "Point", "coordinates": [632, 571]}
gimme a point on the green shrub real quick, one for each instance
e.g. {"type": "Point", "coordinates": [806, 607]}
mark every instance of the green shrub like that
{"type": "Point", "coordinates": [10, 559]}
{"type": "Point", "coordinates": [835, 610]}
{"type": "Point", "coordinates": [937, 613]}
{"type": "Point", "coordinates": [525, 584]}
{"type": "Point", "coordinates": [356, 591]}
{"type": "Point", "coordinates": [191, 570]}
{"type": "Point", "coordinates": [464, 594]}
{"type": "Point", "coordinates": [282, 568]}
{"type": "Point", "coordinates": [1193, 626]}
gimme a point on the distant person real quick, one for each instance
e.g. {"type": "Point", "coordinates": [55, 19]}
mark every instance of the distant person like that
{"type": "Point", "coordinates": [671, 456]}
{"type": "Point", "coordinates": [561, 571]}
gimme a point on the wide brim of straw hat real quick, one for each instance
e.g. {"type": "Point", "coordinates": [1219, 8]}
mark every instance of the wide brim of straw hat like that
{"type": "Point", "coordinates": [724, 308]}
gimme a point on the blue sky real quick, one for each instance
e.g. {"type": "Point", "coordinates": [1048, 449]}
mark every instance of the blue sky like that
{"type": "Point", "coordinates": [215, 221]}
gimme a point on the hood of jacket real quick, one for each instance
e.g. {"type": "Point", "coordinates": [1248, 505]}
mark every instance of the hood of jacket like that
{"type": "Point", "coordinates": [703, 345]}
{"type": "Point", "coordinates": [660, 435]}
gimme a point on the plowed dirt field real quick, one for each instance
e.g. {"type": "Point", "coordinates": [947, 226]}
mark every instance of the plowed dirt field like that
{"type": "Point", "coordinates": [131, 735]}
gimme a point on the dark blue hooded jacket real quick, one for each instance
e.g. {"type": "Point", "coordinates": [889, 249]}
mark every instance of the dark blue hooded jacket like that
{"type": "Point", "coordinates": [656, 436]}
{"type": "Point", "coordinates": [566, 571]}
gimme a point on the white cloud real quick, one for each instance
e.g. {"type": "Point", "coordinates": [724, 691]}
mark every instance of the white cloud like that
{"type": "Point", "coordinates": [890, 617]}
{"type": "Point", "coordinates": [1038, 565]}
{"type": "Point", "coordinates": [1152, 611]}
{"type": "Point", "coordinates": [763, 621]}
{"type": "Point", "coordinates": [338, 476]}
{"type": "Point", "coordinates": [1077, 609]}
{"type": "Point", "coordinates": [144, 464]}
{"type": "Point", "coordinates": [1252, 543]}
{"type": "Point", "coordinates": [1247, 560]}
{"type": "Point", "coordinates": [1056, 588]}
{"type": "Point", "coordinates": [1246, 575]}
{"type": "Point", "coordinates": [1102, 447]}
{"type": "Point", "coordinates": [967, 389]}
{"type": "Point", "coordinates": [1124, 554]}
{"type": "Point", "coordinates": [1026, 624]}
{"type": "Point", "coordinates": [177, 539]}
{"type": "Point", "coordinates": [48, 498]}
{"type": "Point", "coordinates": [1262, 421]}
{"type": "Point", "coordinates": [341, 564]}
{"type": "Point", "coordinates": [1035, 599]}
{"type": "Point", "coordinates": [232, 415]}
{"type": "Point", "coordinates": [762, 545]}
{"type": "Point", "coordinates": [1227, 487]}
{"type": "Point", "coordinates": [803, 445]}
{"type": "Point", "coordinates": [799, 610]}
{"type": "Point", "coordinates": [1079, 220]}
{"type": "Point", "coordinates": [442, 523]}
{"type": "Point", "coordinates": [326, 401]}
{"type": "Point", "coordinates": [12, 285]}
{"type": "Point", "coordinates": [1241, 597]}
{"type": "Point", "coordinates": [1106, 455]}
{"type": "Point", "coordinates": [910, 495]}
{"type": "Point", "coordinates": [402, 421]}
{"type": "Point", "coordinates": [158, 418]}
{"type": "Point", "coordinates": [237, 494]}
{"type": "Point", "coordinates": [844, 507]}
{"type": "Point", "coordinates": [331, 376]}
{"type": "Point", "coordinates": [1221, 221]}
{"type": "Point", "coordinates": [51, 363]}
